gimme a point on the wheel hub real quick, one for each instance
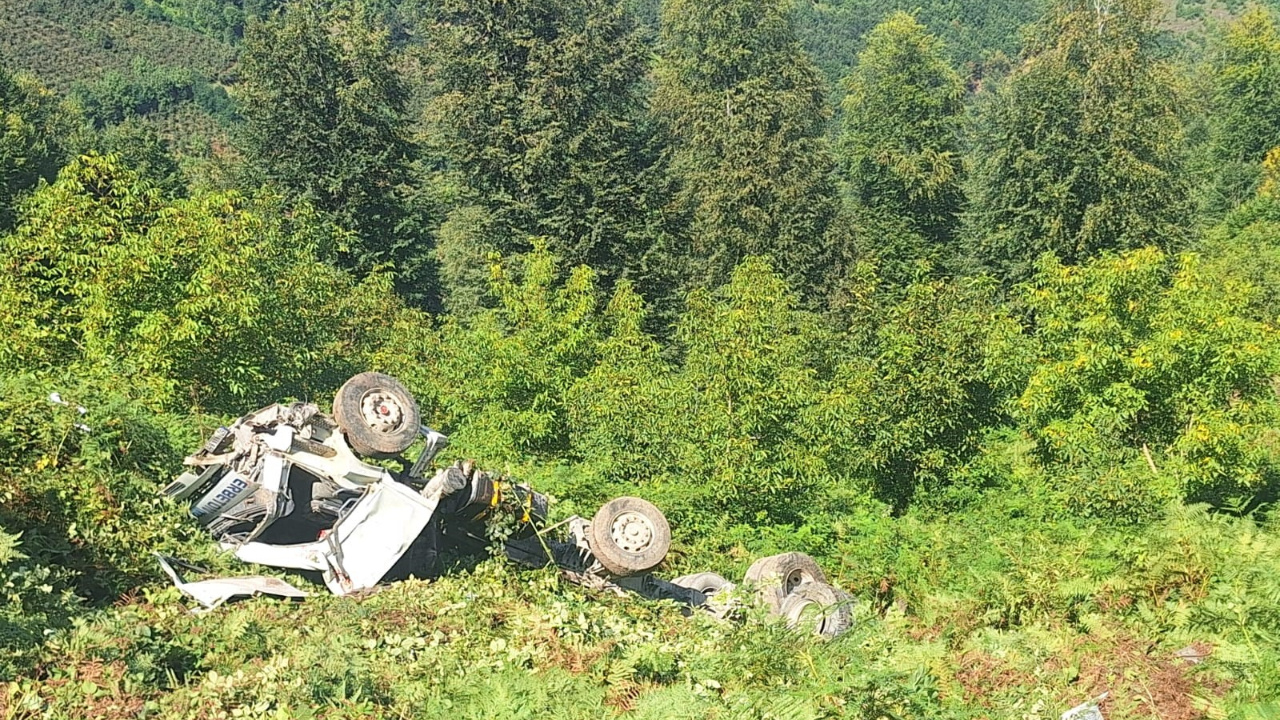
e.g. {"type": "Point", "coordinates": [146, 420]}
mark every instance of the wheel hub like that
{"type": "Point", "coordinates": [632, 532]}
{"type": "Point", "coordinates": [792, 582]}
{"type": "Point", "coordinates": [381, 411]}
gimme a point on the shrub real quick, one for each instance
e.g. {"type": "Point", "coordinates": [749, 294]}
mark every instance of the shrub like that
{"type": "Point", "coordinates": [1147, 360]}
{"type": "Point", "coordinates": [216, 301]}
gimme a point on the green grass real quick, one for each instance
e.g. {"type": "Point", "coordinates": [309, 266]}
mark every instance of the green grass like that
{"type": "Point", "coordinates": [979, 629]}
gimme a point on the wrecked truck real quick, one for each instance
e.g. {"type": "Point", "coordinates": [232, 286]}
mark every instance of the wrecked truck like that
{"type": "Point", "coordinates": [290, 486]}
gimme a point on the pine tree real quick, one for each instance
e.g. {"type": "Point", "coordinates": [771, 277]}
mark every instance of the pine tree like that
{"type": "Point", "coordinates": [1081, 149]}
{"type": "Point", "coordinates": [745, 116]}
{"type": "Point", "coordinates": [326, 123]}
{"type": "Point", "coordinates": [536, 111]}
{"type": "Point", "coordinates": [900, 142]}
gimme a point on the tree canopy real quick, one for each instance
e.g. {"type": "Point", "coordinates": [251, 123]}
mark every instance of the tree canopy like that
{"type": "Point", "coordinates": [326, 123]}
{"type": "Point", "coordinates": [744, 112]}
{"type": "Point", "coordinates": [900, 141]}
{"type": "Point", "coordinates": [1081, 148]}
{"type": "Point", "coordinates": [536, 112]}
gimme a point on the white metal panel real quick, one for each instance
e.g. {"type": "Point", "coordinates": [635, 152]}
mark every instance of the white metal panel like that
{"type": "Point", "coordinates": [367, 541]}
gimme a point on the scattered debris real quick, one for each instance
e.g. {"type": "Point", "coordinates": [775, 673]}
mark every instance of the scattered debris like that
{"type": "Point", "coordinates": [1086, 711]}
{"type": "Point", "coordinates": [290, 486]}
{"type": "Point", "coordinates": [212, 593]}
{"type": "Point", "coordinates": [56, 399]}
{"type": "Point", "coordinates": [1195, 653]}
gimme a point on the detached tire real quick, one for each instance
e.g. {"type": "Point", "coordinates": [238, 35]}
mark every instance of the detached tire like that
{"type": "Point", "coordinates": [707, 583]}
{"type": "Point", "coordinates": [629, 536]}
{"type": "Point", "coordinates": [819, 607]}
{"type": "Point", "coordinates": [774, 577]}
{"type": "Point", "coordinates": [377, 414]}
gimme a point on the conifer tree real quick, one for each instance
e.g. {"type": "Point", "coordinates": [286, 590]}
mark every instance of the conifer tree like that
{"type": "Point", "coordinates": [744, 112]}
{"type": "Point", "coordinates": [900, 143]}
{"type": "Point", "coordinates": [326, 123]}
{"type": "Point", "coordinates": [1081, 149]}
{"type": "Point", "coordinates": [536, 112]}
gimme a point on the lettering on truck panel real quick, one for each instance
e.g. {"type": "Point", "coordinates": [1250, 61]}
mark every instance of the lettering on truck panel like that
{"type": "Point", "coordinates": [219, 501]}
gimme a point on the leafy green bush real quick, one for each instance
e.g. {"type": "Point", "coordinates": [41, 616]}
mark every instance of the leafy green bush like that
{"type": "Point", "coordinates": [908, 407]}
{"type": "Point", "coordinates": [217, 301]}
{"type": "Point", "coordinates": [116, 96]}
{"type": "Point", "coordinates": [34, 600]}
{"type": "Point", "coordinates": [1156, 362]}
{"type": "Point", "coordinates": [80, 491]}
{"type": "Point", "coordinates": [35, 133]}
{"type": "Point", "coordinates": [82, 488]}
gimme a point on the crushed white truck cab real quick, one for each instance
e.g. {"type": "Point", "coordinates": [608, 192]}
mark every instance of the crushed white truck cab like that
{"type": "Point", "coordinates": [290, 486]}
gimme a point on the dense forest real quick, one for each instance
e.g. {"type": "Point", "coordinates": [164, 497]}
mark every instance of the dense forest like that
{"type": "Point", "coordinates": [975, 302]}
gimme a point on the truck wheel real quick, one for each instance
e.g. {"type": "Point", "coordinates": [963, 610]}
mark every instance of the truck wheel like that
{"type": "Point", "coordinates": [774, 577]}
{"type": "Point", "coordinates": [820, 607]}
{"type": "Point", "coordinates": [629, 536]}
{"type": "Point", "coordinates": [707, 583]}
{"type": "Point", "coordinates": [378, 415]}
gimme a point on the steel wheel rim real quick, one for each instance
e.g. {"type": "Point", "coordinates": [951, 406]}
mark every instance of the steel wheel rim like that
{"type": "Point", "coordinates": [808, 611]}
{"type": "Point", "coordinates": [382, 411]}
{"type": "Point", "coordinates": [632, 532]}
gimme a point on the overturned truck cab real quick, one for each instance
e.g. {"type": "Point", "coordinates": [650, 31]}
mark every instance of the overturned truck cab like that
{"type": "Point", "coordinates": [290, 486]}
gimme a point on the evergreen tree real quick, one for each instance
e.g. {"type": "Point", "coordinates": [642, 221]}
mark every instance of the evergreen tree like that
{"type": "Point", "coordinates": [900, 142]}
{"type": "Point", "coordinates": [325, 122]}
{"type": "Point", "coordinates": [36, 133]}
{"type": "Point", "coordinates": [745, 115]}
{"type": "Point", "coordinates": [1080, 149]}
{"type": "Point", "coordinates": [536, 112]}
{"type": "Point", "coordinates": [1246, 105]}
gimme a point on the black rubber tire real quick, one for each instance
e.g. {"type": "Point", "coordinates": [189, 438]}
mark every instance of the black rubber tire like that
{"type": "Point", "coordinates": [623, 562]}
{"type": "Point", "coordinates": [361, 436]}
{"type": "Point", "coordinates": [826, 609]}
{"type": "Point", "coordinates": [774, 577]}
{"type": "Point", "coordinates": [707, 583]}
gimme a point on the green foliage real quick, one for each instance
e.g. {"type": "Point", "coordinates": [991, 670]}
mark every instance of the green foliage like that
{"type": "Point", "coordinates": [1206, 574]}
{"type": "Point", "coordinates": [1246, 71]}
{"type": "Point", "coordinates": [223, 19]}
{"type": "Point", "coordinates": [1246, 247]}
{"type": "Point", "coordinates": [900, 144]}
{"type": "Point", "coordinates": [142, 149]}
{"type": "Point", "coordinates": [751, 365]}
{"type": "Point", "coordinates": [80, 491]}
{"type": "Point", "coordinates": [1080, 149]}
{"type": "Point", "coordinates": [506, 370]}
{"type": "Point", "coordinates": [326, 124]}
{"type": "Point", "coordinates": [974, 33]}
{"type": "Point", "coordinates": [1151, 360]}
{"type": "Point", "coordinates": [145, 90]}
{"type": "Point", "coordinates": [934, 369]}
{"type": "Point", "coordinates": [216, 301]}
{"type": "Point", "coordinates": [1000, 482]}
{"type": "Point", "coordinates": [62, 42]}
{"type": "Point", "coordinates": [35, 130]}
{"type": "Point", "coordinates": [536, 109]}
{"type": "Point", "coordinates": [744, 113]}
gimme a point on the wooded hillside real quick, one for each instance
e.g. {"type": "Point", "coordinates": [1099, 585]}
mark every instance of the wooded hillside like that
{"type": "Point", "coordinates": [977, 303]}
